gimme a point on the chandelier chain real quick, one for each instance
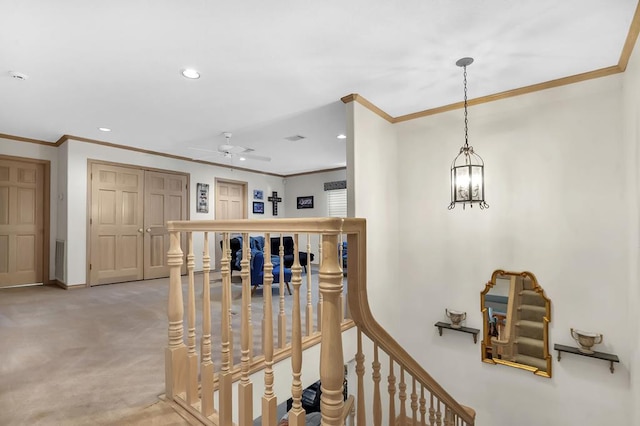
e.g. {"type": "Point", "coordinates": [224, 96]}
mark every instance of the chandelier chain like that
{"type": "Point", "coordinates": [466, 121]}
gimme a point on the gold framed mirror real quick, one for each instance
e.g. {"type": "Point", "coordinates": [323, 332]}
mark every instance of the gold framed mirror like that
{"type": "Point", "coordinates": [516, 315]}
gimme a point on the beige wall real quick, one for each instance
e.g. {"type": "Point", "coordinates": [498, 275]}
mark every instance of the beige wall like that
{"type": "Point", "coordinates": [310, 184]}
{"type": "Point", "coordinates": [558, 182]}
{"type": "Point", "coordinates": [372, 179]}
{"type": "Point", "coordinates": [631, 105]}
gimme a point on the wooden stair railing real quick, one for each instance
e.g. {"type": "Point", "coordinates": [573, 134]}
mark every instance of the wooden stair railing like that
{"type": "Point", "coordinates": [214, 381]}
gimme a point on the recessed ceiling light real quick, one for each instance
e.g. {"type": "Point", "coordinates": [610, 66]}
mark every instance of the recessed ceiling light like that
{"type": "Point", "coordinates": [242, 159]}
{"type": "Point", "coordinates": [190, 73]}
{"type": "Point", "coordinates": [104, 129]}
{"type": "Point", "coordinates": [341, 136]}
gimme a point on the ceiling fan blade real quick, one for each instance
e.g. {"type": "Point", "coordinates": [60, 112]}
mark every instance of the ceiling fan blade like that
{"type": "Point", "coordinates": [202, 149]}
{"type": "Point", "coordinates": [255, 157]}
{"type": "Point", "coordinates": [229, 151]}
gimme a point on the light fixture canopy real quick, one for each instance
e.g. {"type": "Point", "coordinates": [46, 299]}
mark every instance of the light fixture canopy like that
{"type": "Point", "coordinates": [467, 169]}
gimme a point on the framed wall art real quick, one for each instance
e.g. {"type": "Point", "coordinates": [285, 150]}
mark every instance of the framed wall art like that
{"type": "Point", "coordinates": [202, 197]}
{"type": "Point", "coordinates": [258, 194]}
{"type": "Point", "coordinates": [258, 207]}
{"type": "Point", "coordinates": [305, 202]}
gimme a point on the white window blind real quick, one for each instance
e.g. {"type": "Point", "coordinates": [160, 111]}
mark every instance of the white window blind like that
{"type": "Point", "coordinates": [337, 200]}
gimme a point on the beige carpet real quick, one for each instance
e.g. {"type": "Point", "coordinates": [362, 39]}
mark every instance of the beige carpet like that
{"type": "Point", "coordinates": [78, 357]}
{"type": "Point", "coordinates": [91, 356]}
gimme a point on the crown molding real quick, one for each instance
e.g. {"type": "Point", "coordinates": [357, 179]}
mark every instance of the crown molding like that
{"type": "Point", "coordinates": [630, 42]}
{"type": "Point", "coordinates": [21, 139]}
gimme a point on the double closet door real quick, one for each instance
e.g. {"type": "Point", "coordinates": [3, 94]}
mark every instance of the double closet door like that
{"type": "Point", "coordinates": [129, 211]}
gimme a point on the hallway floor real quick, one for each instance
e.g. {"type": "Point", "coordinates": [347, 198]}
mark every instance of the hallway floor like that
{"type": "Point", "coordinates": [87, 356]}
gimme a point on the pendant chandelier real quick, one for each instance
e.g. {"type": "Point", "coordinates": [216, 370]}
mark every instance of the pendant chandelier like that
{"type": "Point", "coordinates": [467, 169]}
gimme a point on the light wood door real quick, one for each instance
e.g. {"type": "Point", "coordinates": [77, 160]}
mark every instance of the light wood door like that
{"type": "Point", "coordinates": [230, 200]}
{"type": "Point", "coordinates": [21, 222]}
{"type": "Point", "coordinates": [165, 199]}
{"type": "Point", "coordinates": [231, 203]}
{"type": "Point", "coordinates": [117, 233]}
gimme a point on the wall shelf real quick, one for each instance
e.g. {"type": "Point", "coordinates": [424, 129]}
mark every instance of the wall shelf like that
{"type": "Point", "coordinates": [447, 325]}
{"type": "Point", "coordinates": [600, 355]}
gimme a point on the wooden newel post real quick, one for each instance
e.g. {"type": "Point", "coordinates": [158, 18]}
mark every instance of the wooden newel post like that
{"type": "Point", "coordinates": [331, 357]}
{"type": "Point", "coordinates": [176, 352]}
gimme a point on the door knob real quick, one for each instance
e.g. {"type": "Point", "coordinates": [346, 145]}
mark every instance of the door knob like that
{"type": "Point", "coordinates": [148, 229]}
{"type": "Point", "coordinates": [140, 230]}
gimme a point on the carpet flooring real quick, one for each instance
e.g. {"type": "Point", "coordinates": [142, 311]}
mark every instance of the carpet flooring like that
{"type": "Point", "coordinates": [94, 355]}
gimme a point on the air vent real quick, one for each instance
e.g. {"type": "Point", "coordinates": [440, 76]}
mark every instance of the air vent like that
{"type": "Point", "coordinates": [60, 260]}
{"type": "Point", "coordinates": [18, 75]}
{"type": "Point", "coordinates": [295, 138]}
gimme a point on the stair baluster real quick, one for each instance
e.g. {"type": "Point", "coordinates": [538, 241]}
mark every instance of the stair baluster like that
{"type": "Point", "coordinates": [269, 400]}
{"type": "Point", "coordinates": [206, 364]}
{"type": "Point", "coordinates": [392, 392]}
{"type": "Point", "coordinates": [282, 317]}
{"type": "Point", "coordinates": [402, 395]}
{"type": "Point", "coordinates": [414, 402]}
{"type": "Point", "coordinates": [245, 388]}
{"type": "Point", "coordinates": [362, 420]}
{"type": "Point", "coordinates": [432, 413]}
{"type": "Point", "coordinates": [377, 403]}
{"type": "Point", "coordinates": [297, 413]}
{"type": "Point", "coordinates": [423, 406]}
{"type": "Point", "coordinates": [192, 356]}
{"type": "Point", "coordinates": [226, 378]}
{"type": "Point", "coordinates": [309, 311]}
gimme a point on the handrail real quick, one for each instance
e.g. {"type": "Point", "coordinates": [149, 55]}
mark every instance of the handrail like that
{"type": "Point", "coordinates": [324, 225]}
{"type": "Point", "coordinates": [362, 316]}
{"type": "Point", "coordinates": [346, 409]}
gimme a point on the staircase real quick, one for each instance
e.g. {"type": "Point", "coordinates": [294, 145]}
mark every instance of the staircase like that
{"type": "Point", "coordinates": [530, 329]}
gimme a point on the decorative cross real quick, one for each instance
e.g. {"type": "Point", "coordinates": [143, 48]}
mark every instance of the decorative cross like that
{"type": "Point", "coordinates": [274, 199]}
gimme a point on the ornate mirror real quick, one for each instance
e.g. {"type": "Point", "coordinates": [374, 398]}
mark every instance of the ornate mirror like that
{"type": "Point", "coordinates": [516, 315]}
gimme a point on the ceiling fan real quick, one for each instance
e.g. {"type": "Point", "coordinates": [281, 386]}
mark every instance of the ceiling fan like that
{"type": "Point", "coordinates": [229, 151]}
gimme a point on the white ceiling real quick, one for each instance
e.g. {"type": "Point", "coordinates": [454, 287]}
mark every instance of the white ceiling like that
{"type": "Point", "coordinates": [273, 69]}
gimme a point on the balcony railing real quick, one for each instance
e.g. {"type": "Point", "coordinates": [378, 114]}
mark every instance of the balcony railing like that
{"type": "Point", "coordinates": [211, 371]}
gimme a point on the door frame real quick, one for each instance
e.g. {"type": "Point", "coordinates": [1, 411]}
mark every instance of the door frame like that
{"type": "Point", "coordinates": [90, 163]}
{"type": "Point", "coordinates": [46, 212]}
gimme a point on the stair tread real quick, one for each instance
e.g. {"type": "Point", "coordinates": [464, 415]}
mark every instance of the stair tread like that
{"type": "Point", "coordinates": [532, 297]}
{"type": "Point", "coordinates": [530, 360]}
{"type": "Point", "coordinates": [532, 324]}
{"type": "Point", "coordinates": [530, 341]}
{"type": "Point", "coordinates": [533, 308]}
